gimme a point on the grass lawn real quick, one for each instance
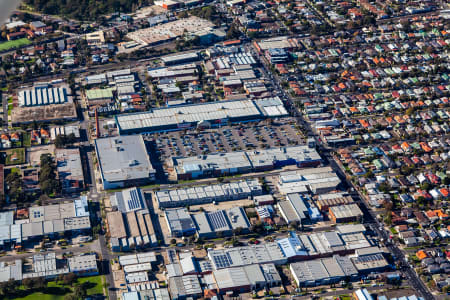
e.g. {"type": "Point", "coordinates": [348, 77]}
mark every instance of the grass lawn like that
{"type": "Point", "coordinates": [59, 289]}
{"type": "Point", "coordinates": [15, 170]}
{"type": "Point", "coordinates": [5, 46]}
{"type": "Point", "coordinates": [40, 296]}
{"type": "Point", "coordinates": [27, 139]}
{"type": "Point", "coordinates": [95, 289]}
{"type": "Point", "coordinates": [20, 156]}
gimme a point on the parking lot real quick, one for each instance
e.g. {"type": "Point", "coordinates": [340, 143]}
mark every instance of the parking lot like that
{"type": "Point", "coordinates": [255, 135]}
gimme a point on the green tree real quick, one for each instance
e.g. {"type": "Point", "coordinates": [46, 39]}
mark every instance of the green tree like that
{"type": "Point", "coordinates": [233, 32]}
{"type": "Point", "coordinates": [69, 279]}
{"type": "Point", "coordinates": [47, 176]}
{"type": "Point", "coordinates": [15, 187]}
{"type": "Point", "coordinates": [183, 15]}
{"type": "Point", "coordinates": [70, 297]}
{"type": "Point", "coordinates": [28, 283]}
{"type": "Point", "coordinates": [39, 283]}
{"type": "Point", "coordinates": [80, 291]}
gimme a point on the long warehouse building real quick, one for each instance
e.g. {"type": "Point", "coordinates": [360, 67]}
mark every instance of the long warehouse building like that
{"type": "Point", "coordinates": [203, 115]}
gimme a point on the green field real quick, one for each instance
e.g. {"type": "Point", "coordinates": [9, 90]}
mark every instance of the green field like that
{"type": "Point", "coordinates": [20, 156]}
{"type": "Point", "coordinates": [5, 46]}
{"type": "Point", "coordinates": [40, 296]}
{"type": "Point", "coordinates": [96, 287]}
{"type": "Point", "coordinates": [97, 280]}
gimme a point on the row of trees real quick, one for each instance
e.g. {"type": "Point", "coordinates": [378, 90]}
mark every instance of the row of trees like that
{"type": "Point", "coordinates": [64, 140]}
{"type": "Point", "coordinates": [48, 182]}
{"type": "Point", "coordinates": [11, 288]}
{"type": "Point", "coordinates": [16, 188]}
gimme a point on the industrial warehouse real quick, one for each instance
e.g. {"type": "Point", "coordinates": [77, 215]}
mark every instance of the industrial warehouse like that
{"type": "Point", "coordinates": [123, 161]}
{"type": "Point", "coordinates": [43, 95]}
{"type": "Point", "coordinates": [44, 102]}
{"type": "Point", "coordinates": [49, 266]}
{"type": "Point", "coordinates": [221, 222]}
{"type": "Point", "coordinates": [239, 162]}
{"type": "Point", "coordinates": [314, 259]}
{"type": "Point", "coordinates": [313, 180]}
{"type": "Point", "coordinates": [130, 225]}
{"type": "Point", "coordinates": [50, 220]}
{"type": "Point", "coordinates": [208, 194]}
{"type": "Point", "coordinates": [295, 247]}
{"type": "Point", "coordinates": [203, 115]}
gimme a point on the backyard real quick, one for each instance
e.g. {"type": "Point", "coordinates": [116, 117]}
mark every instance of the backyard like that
{"type": "Point", "coordinates": [15, 156]}
{"type": "Point", "coordinates": [27, 139]}
{"type": "Point", "coordinates": [10, 105]}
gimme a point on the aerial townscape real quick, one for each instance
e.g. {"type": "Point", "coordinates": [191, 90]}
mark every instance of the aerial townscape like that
{"type": "Point", "coordinates": [225, 149]}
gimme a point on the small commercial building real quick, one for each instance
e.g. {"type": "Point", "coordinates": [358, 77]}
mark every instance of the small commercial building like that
{"type": "Point", "coordinates": [232, 279]}
{"type": "Point", "coordinates": [277, 55]}
{"type": "Point", "coordinates": [323, 271]}
{"type": "Point", "coordinates": [221, 222]}
{"type": "Point", "coordinates": [116, 227]}
{"type": "Point", "coordinates": [99, 96]}
{"type": "Point", "coordinates": [325, 201]}
{"type": "Point", "coordinates": [362, 294]}
{"type": "Point", "coordinates": [54, 220]}
{"type": "Point", "coordinates": [132, 225]}
{"type": "Point", "coordinates": [319, 180]}
{"type": "Point", "coordinates": [183, 287]}
{"type": "Point", "coordinates": [294, 208]}
{"type": "Point", "coordinates": [372, 261]}
{"type": "Point", "coordinates": [170, 60]}
{"type": "Point", "coordinates": [85, 265]}
{"type": "Point", "coordinates": [70, 170]}
{"type": "Point", "coordinates": [179, 222]}
{"type": "Point", "coordinates": [345, 213]}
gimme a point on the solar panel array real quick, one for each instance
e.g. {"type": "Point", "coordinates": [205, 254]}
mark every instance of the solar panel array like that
{"type": "Point", "coordinates": [134, 202]}
{"type": "Point", "coordinates": [222, 261]}
{"type": "Point", "coordinates": [369, 258]}
{"type": "Point", "coordinates": [217, 220]}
